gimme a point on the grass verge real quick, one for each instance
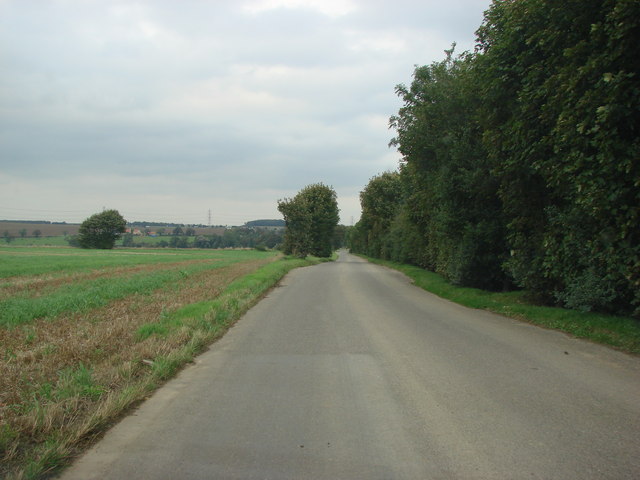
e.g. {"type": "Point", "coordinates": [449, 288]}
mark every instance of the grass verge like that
{"type": "Point", "coordinates": [623, 333]}
{"type": "Point", "coordinates": [59, 418]}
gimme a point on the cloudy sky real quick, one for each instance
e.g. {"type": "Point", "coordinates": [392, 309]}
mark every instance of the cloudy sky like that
{"type": "Point", "coordinates": [169, 109]}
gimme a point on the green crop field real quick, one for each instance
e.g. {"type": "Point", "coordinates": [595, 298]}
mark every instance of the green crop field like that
{"type": "Point", "coordinates": [84, 334]}
{"type": "Point", "coordinates": [19, 261]}
{"type": "Point", "coordinates": [54, 241]}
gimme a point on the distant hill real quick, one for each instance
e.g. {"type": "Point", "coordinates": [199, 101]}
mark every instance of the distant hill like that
{"type": "Point", "coordinates": [265, 223]}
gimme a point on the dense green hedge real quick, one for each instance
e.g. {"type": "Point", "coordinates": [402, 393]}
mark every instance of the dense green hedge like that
{"type": "Point", "coordinates": [521, 161]}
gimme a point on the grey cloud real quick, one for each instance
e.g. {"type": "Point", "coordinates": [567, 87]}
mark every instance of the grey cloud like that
{"type": "Point", "coordinates": [126, 98]}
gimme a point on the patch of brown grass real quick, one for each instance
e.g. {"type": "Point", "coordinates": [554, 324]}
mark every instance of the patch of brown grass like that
{"type": "Point", "coordinates": [104, 340]}
{"type": "Point", "coordinates": [35, 285]}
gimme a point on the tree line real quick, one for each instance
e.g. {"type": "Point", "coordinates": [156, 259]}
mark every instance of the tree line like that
{"type": "Point", "coordinates": [238, 237]}
{"type": "Point", "coordinates": [103, 229]}
{"type": "Point", "coordinates": [521, 160]}
{"type": "Point", "coordinates": [310, 221]}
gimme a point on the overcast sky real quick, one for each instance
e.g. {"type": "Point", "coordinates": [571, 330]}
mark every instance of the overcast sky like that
{"type": "Point", "coordinates": [166, 109]}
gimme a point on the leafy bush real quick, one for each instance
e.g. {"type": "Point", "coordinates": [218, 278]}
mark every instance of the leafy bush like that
{"type": "Point", "coordinates": [101, 230]}
{"type": "Point", "coordinates": [587, 292]}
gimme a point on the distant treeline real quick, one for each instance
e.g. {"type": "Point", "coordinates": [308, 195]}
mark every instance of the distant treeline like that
{"type": "Point", "coordinates": [154, 224]}
{"type": "Point", "coordinates": [231, 238]}
{"type": "Point", "coordinates": [265, 223]}
{"type": "Point", "coordinates": [237, 237]}
{"type": "Point", "coordinates": [521, 161]}
{"type": "Point", "coordinates": [43, 222]}
{"type": "Point", "coordinates": [143, 224]}
{"type": "Point", "coordinates": [252, 223]}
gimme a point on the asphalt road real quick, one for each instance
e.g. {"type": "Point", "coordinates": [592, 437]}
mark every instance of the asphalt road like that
{"type": "Point", "coordinates": [347, 371]}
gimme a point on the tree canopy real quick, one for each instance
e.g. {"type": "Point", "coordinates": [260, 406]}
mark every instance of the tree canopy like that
{"type": "Point", "coordinates": [101, 230]}
{"type": "Point", "coordinates": [310, 221]}
{"type": "Point", "coordinates": [520, 160]}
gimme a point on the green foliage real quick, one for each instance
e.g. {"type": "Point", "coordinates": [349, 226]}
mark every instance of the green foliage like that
{"type": "Point", "coordinates": [561, 109]}
{"type": "Point", "coordinates": [77, 382]}
{"type": "Point", "coordinates": [179, 241]}
{"type": "Point", "coordinates": [339, 239]}
{"type": "Point", "coordinates": [101, 230]}
{"type": "Point", "coordinates": [441, 211]}
{"type": "Point", "coordinates": [84, 295]}
{"type": "Point", "coordinates": [127, 240]}
{"type": "Point", "coordinates": [380, 201]}
{"type": "Point", "coordinates": [73, 241]}
{"type": "Point", "coordinates": [311, 218]}
{"type": "Point", "coordinates": [520, 161]}
{"type": "Point", "coordinates": [237, 237]}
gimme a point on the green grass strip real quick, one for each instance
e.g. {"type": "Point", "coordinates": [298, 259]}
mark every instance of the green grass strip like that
{"type": "Point", "coordinates": [620, 332]}
{"type": "Point", "coordinates": [213, 316]}
{"type": "Point", "coordinates": [57, 241]}
{"type": "Point", "coordinates": [25, 261]}
{"type": "Point", "coordinates": [84, 296]}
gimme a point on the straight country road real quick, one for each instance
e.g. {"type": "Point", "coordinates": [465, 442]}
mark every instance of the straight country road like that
{"type": "Point", "coordinates": [347, 371]}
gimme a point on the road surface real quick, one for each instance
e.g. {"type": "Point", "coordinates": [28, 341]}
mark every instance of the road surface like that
{"type": "Point", "coordinates": [347, 371]}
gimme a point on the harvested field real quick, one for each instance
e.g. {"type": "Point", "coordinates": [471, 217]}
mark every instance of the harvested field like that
{"type": "Point", "coordinates": [46, 229]}
{"type": "Point", "coordinates": [71, 362]}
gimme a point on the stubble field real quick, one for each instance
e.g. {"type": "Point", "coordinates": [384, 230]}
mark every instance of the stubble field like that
{"type": "Point", "coordinates": [85, 334]}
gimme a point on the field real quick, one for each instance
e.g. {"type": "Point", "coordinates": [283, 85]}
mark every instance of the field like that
{"type": "Point", "coordinates": [46, 229]}
{"type": "Point", "coordinates": [86, 334]}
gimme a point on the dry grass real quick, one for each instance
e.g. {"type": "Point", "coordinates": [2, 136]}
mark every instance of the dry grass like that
{"type": "Point", "coordinates": [33, 285]}
{"type": "Point", "coordinates": [63, 380]}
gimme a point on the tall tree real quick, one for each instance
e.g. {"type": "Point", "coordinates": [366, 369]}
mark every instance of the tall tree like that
{"type": "Point", "coordinates": [452, 193]}
{"type": "Point", "coordinates": [561, 100]}
{"type": "Point", "coordinates": [101, 230]}
{"type": "Point", "coordinates": [311, 218]}
{"type": "Point", "coordinates": [380, 201]}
